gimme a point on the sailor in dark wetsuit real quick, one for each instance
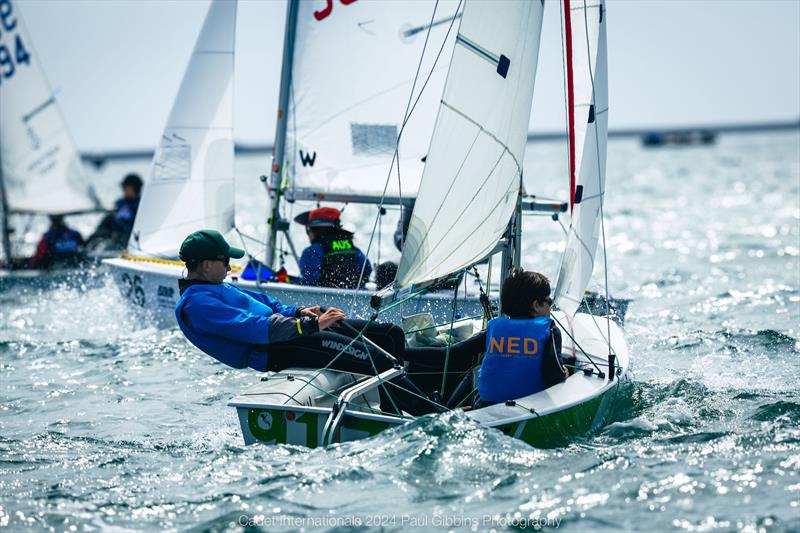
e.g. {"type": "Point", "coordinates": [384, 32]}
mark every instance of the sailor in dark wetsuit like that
{"type": "Point", "coordinates": [61, 246]}
{"type": "Point", "coordinates": [332, 260]}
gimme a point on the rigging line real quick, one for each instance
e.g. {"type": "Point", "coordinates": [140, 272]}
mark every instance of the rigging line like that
{"type": "Point", "coordinates": [418, 396]}
{"type": "Point", "coordinates": [342, 351]}
{"type": "Point", "coordinates": [360, 334]}
{"type": "Point", "coordinates": [575, 343]}
{"type": "Point", "coordinates": [450, 336]}
{"type": "Point", "coordinates": [563, 227]}
{"type": "Point", "coordinates": [597, 326]}
{"type": "Point", "coordinates": [600, 177]}
{"type": "Point", "coordinates": [402, 128]}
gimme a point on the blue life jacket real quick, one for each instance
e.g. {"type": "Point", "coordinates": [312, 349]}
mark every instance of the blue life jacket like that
{"type": "Point", "coordinates": [512, 366]}
{"type": "Point", "coordinates": [228, 322]}
{"type": "Point", "coordinates": [125, 213]}
{"type": "Point", "coordinates": [63, 242]}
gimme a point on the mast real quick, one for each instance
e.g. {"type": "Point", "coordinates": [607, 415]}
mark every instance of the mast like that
{"type": "Point", "coordinates": [280, 133]}
{"type": "Point", "coordinates": [4, 207]}
{"type": "Point", "coordinates": [570, 102]}
{"type": "Point", "coordinates": [512, 250]}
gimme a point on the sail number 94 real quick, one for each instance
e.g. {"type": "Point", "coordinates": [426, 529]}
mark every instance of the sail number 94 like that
{"type": "Point", "coordinates": [14, 53]}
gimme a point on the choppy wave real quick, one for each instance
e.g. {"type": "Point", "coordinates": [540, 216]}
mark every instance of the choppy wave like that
{"type": "Point", "coordinates": [109, 423]}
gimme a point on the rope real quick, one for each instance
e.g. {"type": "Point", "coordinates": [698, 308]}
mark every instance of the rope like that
{"type": "Point", "coordinates": [575, 343]}
{"type": "Point", "coordinates": [408, 114]}
{"type": "Point", "coordinates": [449, 338]}
{"type": "Point", "coordinates": [599, 177]}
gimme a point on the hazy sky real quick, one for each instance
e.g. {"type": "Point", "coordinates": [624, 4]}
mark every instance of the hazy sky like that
{"type": "Point", "coordinates": [116, 64]}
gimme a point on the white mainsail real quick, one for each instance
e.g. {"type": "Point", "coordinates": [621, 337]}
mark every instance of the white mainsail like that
{"type": "Point", "coordinates": [191, 177]}
{"type": "Point", "coordinates": [589, 102]}
{"type": "Point", "coordinates": [41, 169]}
{"type": "Point", "coordinates": [473, 172]}
{"type": "Point", "coordinates": [353, 68]}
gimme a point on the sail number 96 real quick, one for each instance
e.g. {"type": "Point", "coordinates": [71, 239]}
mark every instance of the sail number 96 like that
{"type": "Point", "coordinates": [14, 53]}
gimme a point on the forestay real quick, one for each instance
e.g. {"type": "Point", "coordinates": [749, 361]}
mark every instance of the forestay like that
{"type": "Point", "coordinates": [191, 177]}
{"type": "Point", "coordinates": [473, 172]}
{"type": "Point", "coordinates": [353, 68]}
{"type": "Point", "coordinates": [589, 103]}
{"type": "Point", "coordinates": [42, 171]}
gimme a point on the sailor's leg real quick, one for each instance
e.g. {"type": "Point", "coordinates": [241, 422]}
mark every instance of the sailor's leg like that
{"type": "Point", "coordinates": [427, 364]}
{"type": "Point", "coordinates": [326, 349]}
{"type": "Point", "coordinates": [388, 336]}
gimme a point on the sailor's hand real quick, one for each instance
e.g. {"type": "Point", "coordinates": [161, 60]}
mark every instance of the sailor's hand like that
{"type": "Point", "coordinates": [311, 311]}
{"type": "Point", "coordinates": [330, 317]}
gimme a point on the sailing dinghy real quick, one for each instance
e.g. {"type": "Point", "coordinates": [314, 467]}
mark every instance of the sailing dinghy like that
{"type": "Point", "coordinates": [40, 169]}
{"type": "Point", "coordinates": [468, 206]}
{"type": "Point", "coordinates": [336, 140]}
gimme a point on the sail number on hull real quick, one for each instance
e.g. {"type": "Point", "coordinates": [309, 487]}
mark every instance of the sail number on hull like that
{"type": "Point", "coordinates": [12, 48]}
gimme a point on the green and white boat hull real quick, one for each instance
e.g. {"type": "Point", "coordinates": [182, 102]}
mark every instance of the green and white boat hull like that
{"type": "Point", "coordinates": [295, 406]}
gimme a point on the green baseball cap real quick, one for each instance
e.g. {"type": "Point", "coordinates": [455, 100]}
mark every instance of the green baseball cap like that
{"type": "Point", "coordinates": [207, 244]}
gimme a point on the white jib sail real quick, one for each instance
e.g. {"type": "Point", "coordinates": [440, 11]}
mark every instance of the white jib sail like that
{"type": "Point", "coordinates": [353, 68]}
{"type": "Point", "coordinates": [191, 178]}
{"type": "Point", "coordinates": [590, 80]}
{"type": "Point", "coordinates": [473, 173]}
{"type": "Point", "coordinates": [42, 171]}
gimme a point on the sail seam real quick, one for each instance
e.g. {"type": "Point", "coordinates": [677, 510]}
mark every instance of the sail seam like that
{"type": "Point", "coordinates": [464, 210]}
{"type": "Point", "coordinates": [487, 132]}
{"type": "Point", "coordinates": [439, 210]}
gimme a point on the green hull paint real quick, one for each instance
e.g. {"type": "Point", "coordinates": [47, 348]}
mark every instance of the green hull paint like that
{"type": "Point", "coordinates": [277, 426]}
{"type": "Point", "coordinates": [304, 428]}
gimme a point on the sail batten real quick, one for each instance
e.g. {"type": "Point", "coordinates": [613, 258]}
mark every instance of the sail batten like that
{"type": "Point", "coordinates": [588, 69]}
{"type": "Point", "coordinates": [473, 172]}
{"type": "Point", "coordinates": [191, 177]}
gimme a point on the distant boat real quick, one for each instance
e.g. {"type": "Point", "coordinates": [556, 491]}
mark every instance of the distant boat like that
{"type": "Point", "coordinates": [679, 138]}
{"type": "Point", "coordinates": [40, 169]}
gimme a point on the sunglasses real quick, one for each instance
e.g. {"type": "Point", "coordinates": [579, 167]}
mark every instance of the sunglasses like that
{"type": "Point", "coordinates": [548, 301]}
{"type": "Point", "coordinates": [226, 260]}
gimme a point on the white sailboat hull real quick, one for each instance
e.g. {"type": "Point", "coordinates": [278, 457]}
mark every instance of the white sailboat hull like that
{"type": "Point", "coordinates": [151, 286]}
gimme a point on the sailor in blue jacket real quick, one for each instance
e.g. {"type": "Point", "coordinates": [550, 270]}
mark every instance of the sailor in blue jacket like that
{"type": "Point", "coordinates": [243, 328]}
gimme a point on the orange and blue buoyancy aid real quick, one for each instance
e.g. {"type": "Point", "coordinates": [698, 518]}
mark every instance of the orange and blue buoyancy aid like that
{"type": "Point", "coordinates": [512, 366]}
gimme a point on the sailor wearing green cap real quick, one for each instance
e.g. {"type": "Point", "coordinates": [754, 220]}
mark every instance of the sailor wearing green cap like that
{"type": "Point", "coordinates": [243, 328]}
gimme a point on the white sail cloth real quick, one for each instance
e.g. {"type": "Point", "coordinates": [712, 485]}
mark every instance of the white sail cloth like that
{"type": "Point", "coordinates": [191, 177]}
{"type": "Point", "coordinates": [473, 172]}
{"type": "Point", "coordinates": [590, 107]}
{"type": "Point", "coordinates": [41, 169]}
{"type": "Point", "coordinates": [353, 68]}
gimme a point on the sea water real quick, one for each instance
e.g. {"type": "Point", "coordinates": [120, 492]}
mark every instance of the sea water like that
{"type": "Point", "coordinates": [109, 423]}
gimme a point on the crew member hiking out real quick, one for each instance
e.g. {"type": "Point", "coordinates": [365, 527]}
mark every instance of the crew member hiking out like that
{"type": "Point", "coordinates": [243, 328]}
{"type": "Point", "coordinates": [332, 260]}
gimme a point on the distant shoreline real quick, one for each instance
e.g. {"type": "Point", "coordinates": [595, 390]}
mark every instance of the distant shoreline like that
{"type": "Point", "coordinates": [100, 158]}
